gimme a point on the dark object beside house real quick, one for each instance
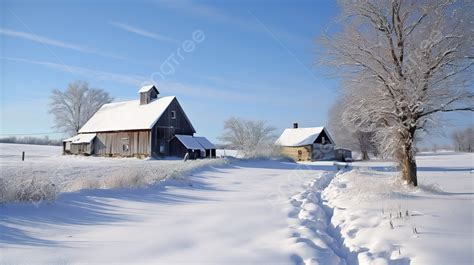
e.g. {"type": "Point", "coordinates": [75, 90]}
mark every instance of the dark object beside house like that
{"type": "Point", "coordinates": [343, 154]}
{"type": "Point", "coordinates": [141, 128]}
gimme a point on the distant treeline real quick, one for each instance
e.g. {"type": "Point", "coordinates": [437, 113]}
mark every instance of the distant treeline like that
{"type": "Point", "coordinates": [30, 140]}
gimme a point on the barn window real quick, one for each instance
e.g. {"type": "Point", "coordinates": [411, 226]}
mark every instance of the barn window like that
{"type": "Point", "coordinates": [173, 114]}
{"type": "Point", "coordinates": [323, 140]}
{"type": "Point", "coordinates": [125, 147]}
{"type": "Point", "coordinates": [162, 148]}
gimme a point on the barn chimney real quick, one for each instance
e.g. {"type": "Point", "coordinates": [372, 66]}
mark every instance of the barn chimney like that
{"type": "Point", "coordinates": [295, 125]}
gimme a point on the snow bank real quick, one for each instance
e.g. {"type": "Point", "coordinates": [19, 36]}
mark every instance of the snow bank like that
{"type": "Point", "coordinates": [45, 172]}
{"type": "Point", "coordinates": [385, 222]}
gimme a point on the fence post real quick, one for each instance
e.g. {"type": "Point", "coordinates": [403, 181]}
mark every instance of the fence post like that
{"type": "Point", "coordinates": [23, 156]}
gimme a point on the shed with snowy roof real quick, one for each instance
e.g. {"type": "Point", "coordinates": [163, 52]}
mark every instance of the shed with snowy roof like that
{"type": "Point", "coordinates": [196, 147]}
{"type": "Point", "coordinates": [79, 144]}
{"type": "Point", "coordinates": [306, 144]}
{"type": "Point", "coordinates": [140, 128]}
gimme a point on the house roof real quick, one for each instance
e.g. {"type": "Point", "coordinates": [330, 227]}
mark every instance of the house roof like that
{"type": "Point", "coordinates": [204, 142]}
{"type": "Point", "coordinates": [189, 142]}
{"type": "Point", "coordinates": [81, 138]}
{"type": "Point", "coordinates": [301, 136]}
{"type": "Point", "coordinates": [127, 115]}
{"type": "Point", "coordinates": [146, 88]}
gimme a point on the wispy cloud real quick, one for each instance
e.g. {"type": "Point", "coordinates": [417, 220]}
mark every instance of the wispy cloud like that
{"type": "Point", "coordinates": [54, 42]}
{"type": "Point", "coordinates": [144, 33]}
{"type": "Point", "coordinates": [207, 92]}
{"type": "Point", "coordinates": [135, 80]}
{"type": "Point", "coordinates": [204, 10]}
{"type": "Point", "coordinates": [217, 14]}
{"type": "Point", "coordinates": [139, 80]}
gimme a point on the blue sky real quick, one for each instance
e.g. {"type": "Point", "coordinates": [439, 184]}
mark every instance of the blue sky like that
{"type": "Point", "coordinates": [253, 59]}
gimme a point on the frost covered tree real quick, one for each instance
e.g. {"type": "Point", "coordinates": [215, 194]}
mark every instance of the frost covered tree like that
{"type": "Point", "coordinates": [350, 136]}
{"type": "Point", "coordinates": [464, 140]}
{"type": "Point", "coordinates": [73, 107]}
{"type": "Point", "coordinates": [250, 138]}
{"type": "Point", "coordinates": [407, 62]}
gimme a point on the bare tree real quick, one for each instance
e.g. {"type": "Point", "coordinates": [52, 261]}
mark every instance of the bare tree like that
{"type": "Point", "coordinates": [251, 138]}
{"type": "Point", "coordinates": [76, 105]}
{"type": "Point", "coordinates": [406, 61]}
{"type": "Point", "coordinates": [464, 140]}
{"type": "Point", "coordinates": [349, 136]}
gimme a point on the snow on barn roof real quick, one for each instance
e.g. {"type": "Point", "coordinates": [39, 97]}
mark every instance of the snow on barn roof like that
{"type": "Point", "coordinates": [127, 115]}
{"type": "Point", "coordinates": [300, 136]}
{"type": "Point", "coordinates": [204, 142]}
{"type": "Point", "coordinates": [81, 138]}
{"type": "Point", "coordinates": [189, 142]}
{"type": "Point", "coordinates": [145, 88]}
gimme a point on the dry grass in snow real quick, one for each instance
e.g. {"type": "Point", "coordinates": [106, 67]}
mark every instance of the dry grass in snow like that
{"type": "Point", "coordinates": [45, 172]}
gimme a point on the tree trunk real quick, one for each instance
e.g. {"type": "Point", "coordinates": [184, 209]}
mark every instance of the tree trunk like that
{"type": "Point", "coordinates": [365, 155]}
{"type": "Point", "coordinates": [408, 166]}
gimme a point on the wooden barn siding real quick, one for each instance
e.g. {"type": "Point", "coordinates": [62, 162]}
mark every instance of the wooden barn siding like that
{"type": "Point", "coordinates": [146, 97]}
{"type": "Point", "coordinates": [111, 143]}
{"type": "Point", "coordinates": [177, 148]}
{"type": "Point", "coordinates": [143, 98]}
{"type": "Point", "coordinates": [153, 94]}
{"type": "Point", "coordinates": [166, 128]}
{"type": "Point", "coordinates": [84, 148]}
{"type": "Point", "coordinates": [292, 152]}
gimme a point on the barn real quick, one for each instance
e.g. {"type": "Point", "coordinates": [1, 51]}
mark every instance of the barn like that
{"type": "Point", "coordinates": [307, 144]}
{"type": "Point", "coordinates": [140, 128]}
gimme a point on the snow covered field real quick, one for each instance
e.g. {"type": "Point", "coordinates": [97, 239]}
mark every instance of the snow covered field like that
{"type": "Point", "coordinates": [45, 168]}
{"type": "Point", "coordinates": [238, 213]}
{"type": "Point", "coordinates": [255, 212]}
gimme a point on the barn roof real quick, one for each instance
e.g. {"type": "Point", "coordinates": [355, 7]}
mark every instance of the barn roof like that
{"type": "Point", "coordinates": [189, 142]}
{"type": "Point", "coordinates": [301, 136]}
{"type": "Point", "coordinates": [204, 142]}
{"type": "Point", "coordinates": [127, 115]}
{"type": "Point", "coordinates": [81, 138]}
{"type": "Point", "coordinates": [146, 88]}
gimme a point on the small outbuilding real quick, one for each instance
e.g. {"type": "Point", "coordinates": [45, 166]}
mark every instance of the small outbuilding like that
{"type": "Point", "coordinates": [307, 144]}
{"type": "Point", "coordinates": [208, 146]}
{"type": "Point", "coordinates": [81, 144]}
{"type": "Point", "coordinates": [195, 147]}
